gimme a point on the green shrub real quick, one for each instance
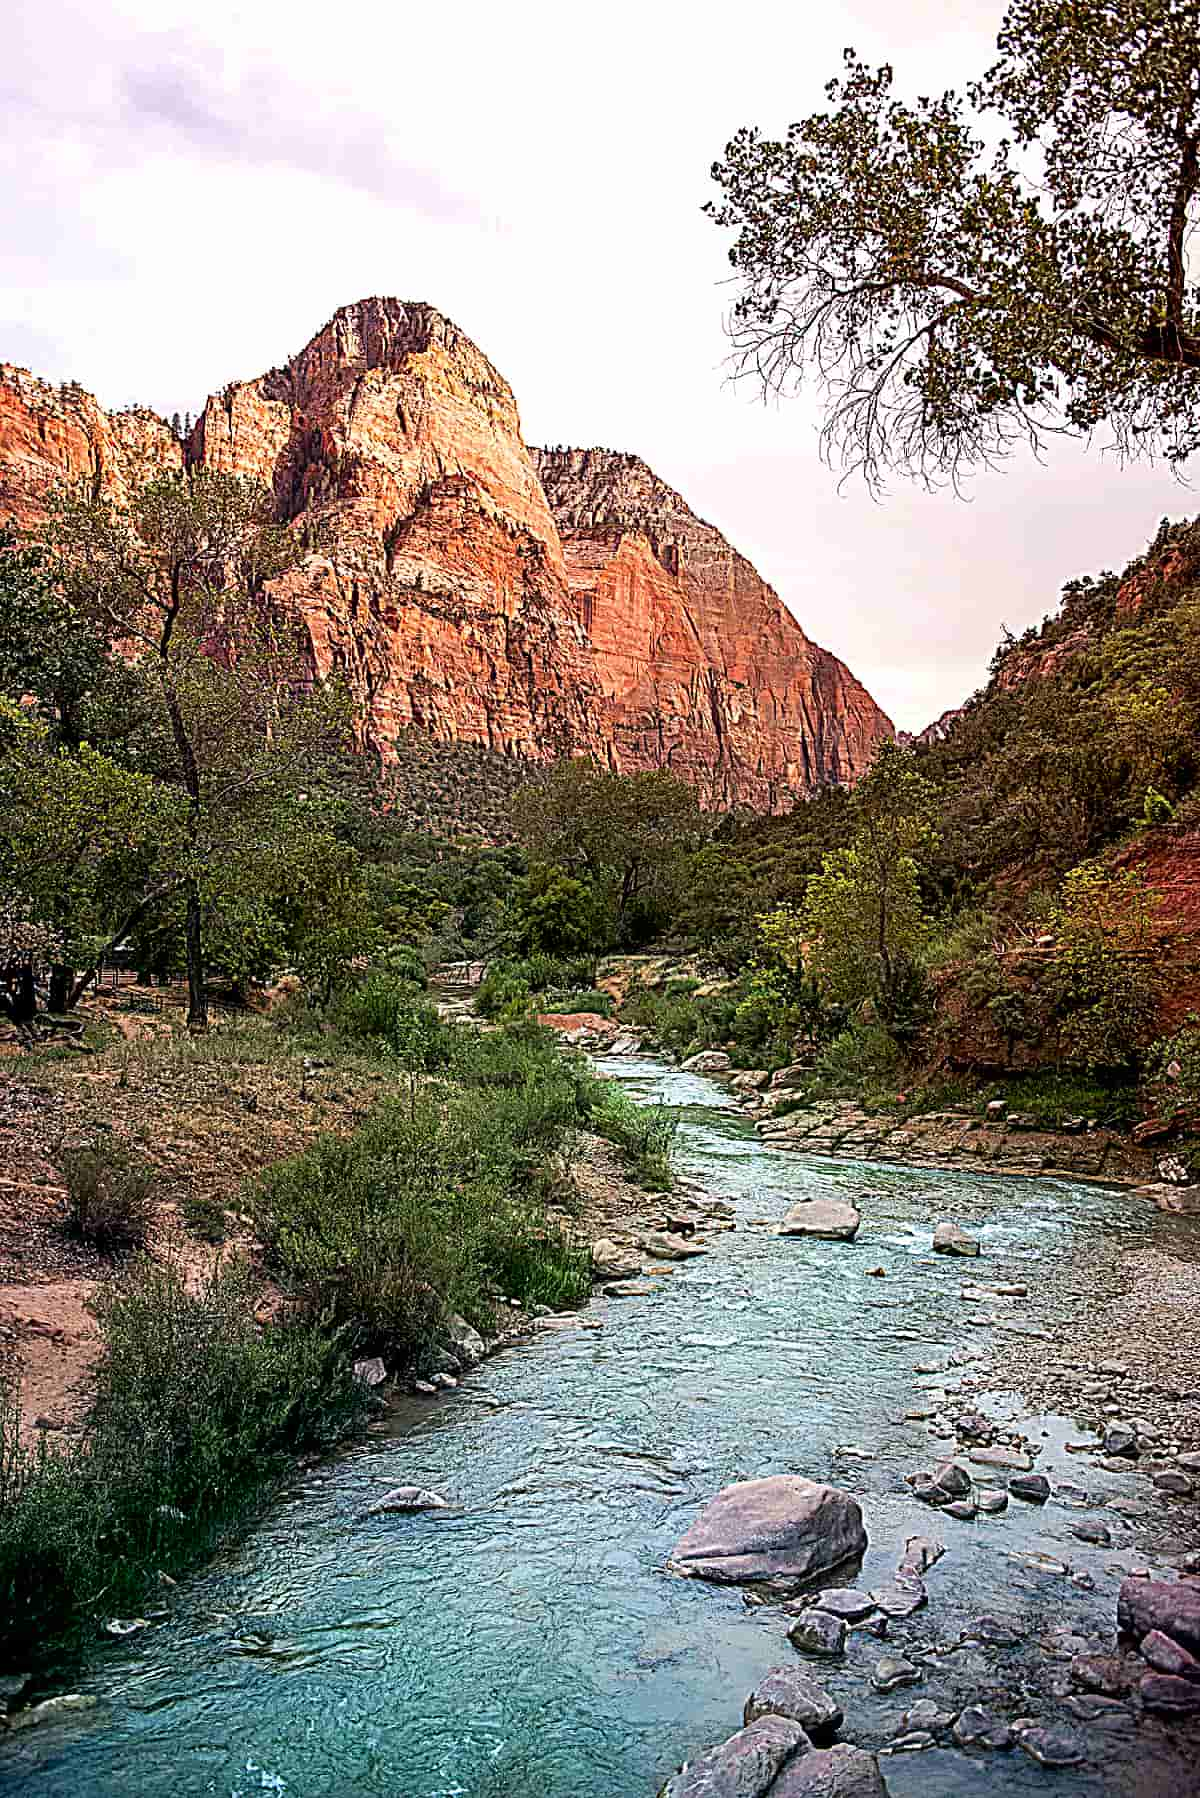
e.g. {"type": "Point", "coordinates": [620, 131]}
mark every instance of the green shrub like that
{"type": "Point", "coordinates": [196, 1408]}
{"type": "Point", "coordinates": [386, 1010]}
{"type": "Point", "coordinates": [504, 992]}
{"type": "Point", "coordinates": [110, 1195]}
{"type": "Point", "coordinates": [404, 963]}
{"type": "Point", "coordinates": [591, 1000]}
{"type": "Point", "coordinates": [644, 1133]}
{"type": "Point", "coordinates": [204, 1217]}
{"type": "Point", "coordinates": [866, 1053]}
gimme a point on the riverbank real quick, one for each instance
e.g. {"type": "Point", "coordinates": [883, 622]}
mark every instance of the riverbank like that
{"type": "Point", "coordinates": [529, 1636]}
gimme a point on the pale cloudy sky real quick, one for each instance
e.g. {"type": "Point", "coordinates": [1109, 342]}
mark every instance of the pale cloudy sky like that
{"type": "Point", "coordinates": [190, 192]}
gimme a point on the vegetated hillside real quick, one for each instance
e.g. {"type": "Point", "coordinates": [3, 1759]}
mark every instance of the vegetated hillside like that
{"type": "Point", "coordinates": [533, 604]}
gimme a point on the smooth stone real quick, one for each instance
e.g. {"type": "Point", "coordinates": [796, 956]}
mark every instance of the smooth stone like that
{"type": "Point", "coordinates": [992, 1631]}
{"type": "Point", "coordinates": [920, 1554]}
{"type": "Point", "coordinates": [1144, 1605]}
{"type": "Point", "coordinates": [891, 1672]}
{"type": "Point", "coordinates": [627, 1289]}
{"type": "Point", "coordinates": [708, 1061]}
{"type": "Point", "coordinates": [952, 1479]}
{"type": "Point", "coordinates": [911, 1743]}
{"type": "Point", "coordinates": [370, 1372]}
{"type": "Point", "coordinates": [673, 1248]}
{"type": "Point", "coordinates": [1166, 1656]}
{"type": "Point", "coordinates": [66, 1704]}
{"type": "Point", "coordinates": [1034, 1488]}
{"type": "Point", "coordinates": [404, 1499]}
{"type": "Point", "coordinates": [829, 1220]}
{"type": "Point", "coordinates": [1052, 1747]}
{"type": "Point", "coordinates": [1119, 1439]}
{"type": "Point", "coordinates": [902, 1597]}
{"type": "Point", "coordinates": [949, 1239]}
{"type": "Point", "coordinates": [926, 1715]}
{"type": "Point", "coordinates": [781, 1527]}
{"type": "Point", "coordinates": [992, 1503]}
{"type": "Point", "coordinates": [465, 1341]}
{"type": "Point", "coordinates": [819, 1633]}
{"type": "Point", "coordinates": [1166, 1693]}
{"type": "Point", "coordinates": [612, 1261]}
{"type": "Point", "coordinates": [845, 1601]}
{"type": "Point", "coordinates": [980, 1728]}
{"type": "Point", "coordinates": [744, 1766]}
{"type": "Point", "coordinates": [1178, 1484]}
{"type": "Point", "coordinates": [792, 1693]}
{"type": "Point", "coordinates": [1090, 1529]}
{"type": "Point", "coordinates": [1190, 1462]}
{"type": "Point", "coordinates": [838, 1772]}
{"type": "Point", "coordinates": [1091, 1707]}
{"type": "Point", "coordinates": [1001, 1457]}
{"type": "Point", "coordinates": [962, 1508]}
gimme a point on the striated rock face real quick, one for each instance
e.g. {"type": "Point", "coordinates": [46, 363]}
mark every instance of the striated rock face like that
{"type": "Point", "coordinates": [704, 669]}
{"type": "Point", "coordinates": [473, 591]}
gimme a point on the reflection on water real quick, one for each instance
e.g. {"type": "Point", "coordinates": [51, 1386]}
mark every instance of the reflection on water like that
{"type": "Point", "coordinates": [528, 1640]}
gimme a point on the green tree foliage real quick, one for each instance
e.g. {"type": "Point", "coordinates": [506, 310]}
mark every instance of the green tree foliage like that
{"type": "Point", "coordinates": [553, 913]}
{"type": "Point", "coordinates": [963, 273]}
{"type": "Point", "coordinates": [864, 912]}
{"type": "Point", "coordinates": [1107, 975]}
{"type": "Point", "coordinates": [629, 835]}
{"type": "Point", "coordinates": [234, 726]}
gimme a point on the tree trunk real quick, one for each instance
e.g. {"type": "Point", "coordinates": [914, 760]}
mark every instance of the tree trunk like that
{"type": "Point", "coordinates": [197, 1017]}
{"type": "Point", "coordinates": [61, 981]}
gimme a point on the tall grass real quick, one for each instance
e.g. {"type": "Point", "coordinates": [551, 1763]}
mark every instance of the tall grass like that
{"type": "Point", "coordinates": [196, 1408]}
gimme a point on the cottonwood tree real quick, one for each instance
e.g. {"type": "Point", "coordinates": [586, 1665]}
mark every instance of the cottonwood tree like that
{"type": "Point", "coordinates": [178, 581]}
{"type": "Point", "coordinates": [967, 272]}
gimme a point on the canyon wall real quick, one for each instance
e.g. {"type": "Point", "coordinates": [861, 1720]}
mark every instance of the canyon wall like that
{"type": "Point", "coordinates": [472, 590]}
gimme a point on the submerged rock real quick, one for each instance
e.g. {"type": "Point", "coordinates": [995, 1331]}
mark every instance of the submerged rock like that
{"type": "Point", "coordinates": [64, 1707]}
{"type": "Point", "coordinates": [790, 1692]}
{"type": "Point", "coordinates": [892, 1671]}
{"type": "Point", "coordinates": [831, 1220]}
{"type": "Point", "coordinates": [744, 1766]}
{"type": "Point", "coordinates": [405, 1500]}
{"type": "Point", "coordinates": [819, 1633]}
{"type": "Point", "coordinates": [782, 1528]}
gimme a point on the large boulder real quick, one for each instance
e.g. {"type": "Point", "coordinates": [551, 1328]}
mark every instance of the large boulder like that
{"type": "Point", "coordinates": [1174, 1610]}
{"type": "Point", "coordinates": [839, 1772]}
{"type": "Point", "coordinates": [790, 1692]}
{"type": "Point", "coordinates": [782, 1528]}
{"type": "Point", "coordinates": [832, 1220]}
{"type": "Point", "coordinates": [708, 1061]}
{"type": "Point", "coordinates": [465, 1341]}
{"type": "Point", "coordinates": [745, 1766]}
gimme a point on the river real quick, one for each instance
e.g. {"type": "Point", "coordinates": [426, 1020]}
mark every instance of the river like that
{"type": "Point", "coordinates": [529, 1641]}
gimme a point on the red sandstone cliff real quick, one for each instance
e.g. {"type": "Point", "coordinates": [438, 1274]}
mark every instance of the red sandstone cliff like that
{"type": "Point", "coordinates": [441, 590]}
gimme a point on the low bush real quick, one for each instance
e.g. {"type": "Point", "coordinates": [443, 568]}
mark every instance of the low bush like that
{"type": "Point", "coordinates": [196, 1409]}
{"type": "Point", "coordinates": [110, 1195]}
{"type": "Point", "coordinates": [591, 1000]}
{"type": "Point", "coordinates": [204, 1217]}
{"type": "Point", "coordinates": [388, 1013]}
{"type": "Point", "coordinates": [644, 1133]}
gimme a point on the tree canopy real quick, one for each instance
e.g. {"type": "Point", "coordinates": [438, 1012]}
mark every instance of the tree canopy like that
{"type": "Point", "coordinates": [970, 271]}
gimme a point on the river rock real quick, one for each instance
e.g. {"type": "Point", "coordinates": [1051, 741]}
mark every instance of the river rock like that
{"type": "Point", "coordinates": [745, 1766]}
{"type": "Point", "coordinates": [962, 1508]}
{"type": "Point", "coordinates": [926, 1715]}
{"type": "Point", "coordinates": [901, 1598]}
{"type": "Point", "coordinates": [1174, 1610]}
{"type": "Point", "coordinates": [1166, 1656]}
{"type": "Point", "coordinates": [980, 1728]}
{"type": "Point", "coordinates": [1170, 1479]}
{"type": "Point", "coordinates": [708, 1061]}
{"type": "Point", "coordinates": [1001, 1457]}
{"type": "Point", "coordinates": [992, 1503]}
{"type": "Point", "coordinates": [920, 1554]}
{"type": "Point", "coordinates": [790, 1692]}
{"type": "Point", "coordinates": [407, 1499]}
{"type": "Point", "coordinates": [671, 1247]}
{"type": "Point", "coordinates": [1103, 1673]}
{"type": "Point", "coordinates": [51, 1710]}
{"type": "Point", "coordinates": [1034, 1488]}
{"type": "Point", "coordinates": [1090, 1529]}
{"type": "Point", "coordinates": [1052, 1747]}
{"type": "Point", "coordinates": [614, 1261]}
{"type": "Point", "coordinates": [466, 1342]}
{"type": "Point", "coordinates": [627, 1289]}
{"type": "Point", "coordinates": [952, 1479]}
{"type": "Point", "coordinates": [779, 1528]}
{"type": "Point", "coordinates": [1120, 1439]}
{"type": "Point", "coordinates": [370, 1372]}
{"type": "Point", "coordinates": [839, 1772]}
{"type": "Point", "coordinates": [818, 1633]}
{"type": "Point", "coordinates": [892, 1671]}
{"type": "Point", "coordinates": [949, 1239]}
{"type": "Point", "coordinates": [830, 1220]}
{"type": "Point", "coordinates": [1169, 1695]}
{"type": "Point", "coordinates": [847, 1602]}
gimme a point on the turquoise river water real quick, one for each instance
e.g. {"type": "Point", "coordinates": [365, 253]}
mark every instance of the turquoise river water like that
{"type": "Point", "coordinates": [529, 1641]}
